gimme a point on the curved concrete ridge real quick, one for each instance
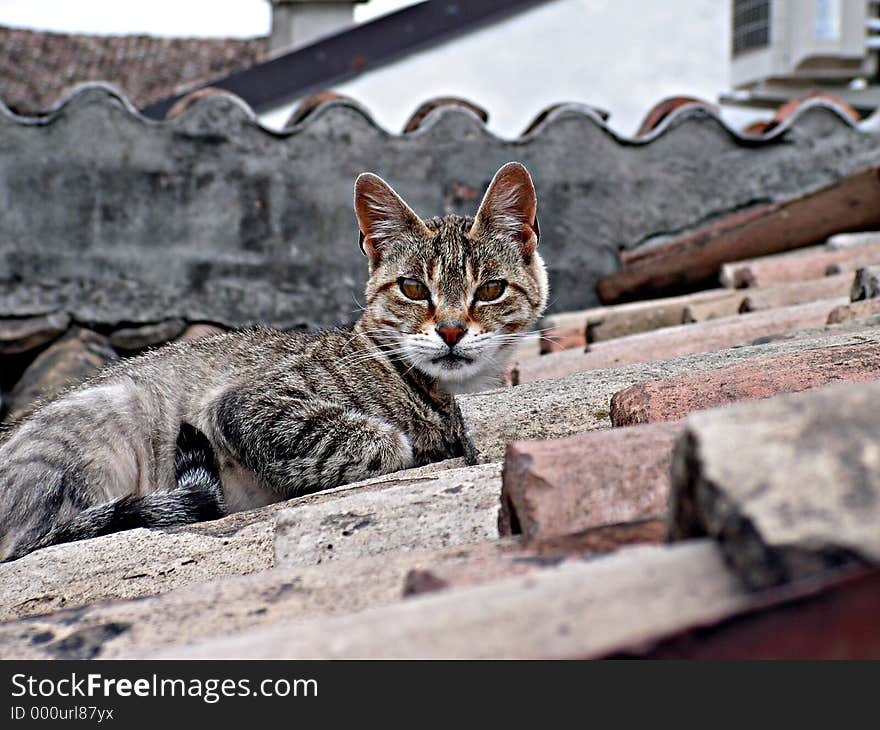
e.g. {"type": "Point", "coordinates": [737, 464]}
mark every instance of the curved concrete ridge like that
{"type": "Point", "coordinates": [101, 198]}
{"type": "Point", "coordinates": [92, 91]}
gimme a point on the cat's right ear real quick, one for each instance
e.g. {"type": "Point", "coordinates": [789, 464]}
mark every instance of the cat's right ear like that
{"type": "Point", "coordinates": [382, 215]}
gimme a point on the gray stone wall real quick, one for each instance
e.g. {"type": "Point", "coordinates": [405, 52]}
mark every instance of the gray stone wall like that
{"type": "Point", "coordinates": [120, 220]}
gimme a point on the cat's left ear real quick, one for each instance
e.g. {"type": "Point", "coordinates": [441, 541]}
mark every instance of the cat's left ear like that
{"type": "Point", "coordinates": [509, 208]}
{"type": "Point", "coordinates": [382, 216]}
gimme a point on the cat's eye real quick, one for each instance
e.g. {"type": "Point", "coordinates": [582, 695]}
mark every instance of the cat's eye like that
{"type": "Point", "coordinates": [490, 291]}
{"type": "Point", "coordinates": [413, 289]}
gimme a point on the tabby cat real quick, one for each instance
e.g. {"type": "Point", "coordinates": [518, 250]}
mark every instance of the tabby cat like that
{"type": "Point", "coordinates": [195, 430]}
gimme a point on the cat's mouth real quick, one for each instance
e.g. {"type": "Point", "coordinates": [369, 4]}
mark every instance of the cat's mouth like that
{"type": "Point", "coordinates": [451, 360]}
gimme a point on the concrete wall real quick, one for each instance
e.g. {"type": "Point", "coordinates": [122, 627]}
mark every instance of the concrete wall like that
{"type": "Point", "coordinates": [117, 219]}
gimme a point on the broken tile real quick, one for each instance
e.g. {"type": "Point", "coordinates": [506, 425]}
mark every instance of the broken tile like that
{"type": "Point", "coordinates": [575, 610]}
{"type": "Point", "coordinates": [673, 398]}
{"type": "Point", "coordinates": [26, 333]}
{"type": "Point", "coordinates": [588, 480]}
{"type": "Point", "coordinates": [789, 486]}
{"type": "Point", "coordinates": [452, 507]}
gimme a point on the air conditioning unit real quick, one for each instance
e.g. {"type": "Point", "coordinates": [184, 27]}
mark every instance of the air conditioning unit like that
{"type": "Point", "coordinates": [802, 41]}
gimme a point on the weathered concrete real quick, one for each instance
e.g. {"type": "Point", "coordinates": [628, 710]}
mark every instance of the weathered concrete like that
{"type": "Point", "coordinates": [813, 262]}
{"type": "Point", "coordinates": [133, 564]}
{"type": "Point", "coordinates": [102, 199]}
{"type": "Point", "coordinates": [674, 398]}
{"type": "Point", "coordinates": [866, 284]}
{"type": "Point", "coordinates": [27, 333]}
{"type": "Point", "coordinates": [137, 338]}
{"type": "Point", "coordinates": [668, 342]}
{"type": "Point", "coordinates": [789, 486]}
{"type": "Point", "coordinates": [232, 603]}
{"type": "Point", "coordinates": [486, 567]}
{"type": "Point", "coordinates": [576, 610]}
{"type": "Point", "coordinates": [140, 562]}
{"type": "Point", "coordinates": [72, 359]}
{"type": "Point", "coordinates": [572, 484]}
{"type": "Point", "coordinates": [580, 402]}
{"type": "Point", "coordinates": [453, 507]}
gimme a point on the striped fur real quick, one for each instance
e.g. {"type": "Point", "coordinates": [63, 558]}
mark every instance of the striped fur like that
{"type": "Point", "coordinates": [194, 430]}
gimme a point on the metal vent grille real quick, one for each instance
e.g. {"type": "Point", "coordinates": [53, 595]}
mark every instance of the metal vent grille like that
{"type": "Point", "coordinates": [751, 25]}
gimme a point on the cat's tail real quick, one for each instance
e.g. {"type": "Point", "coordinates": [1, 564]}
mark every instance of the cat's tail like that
{"type": "Point", "coordinates": [196, 498]}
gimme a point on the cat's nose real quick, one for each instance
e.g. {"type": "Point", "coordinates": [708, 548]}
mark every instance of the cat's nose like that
{"type": "Point", "coordinates": [451, 331]}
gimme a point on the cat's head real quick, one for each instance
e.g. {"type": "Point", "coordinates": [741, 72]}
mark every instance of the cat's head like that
{"type": "Point", "coordinates": [452, 296]}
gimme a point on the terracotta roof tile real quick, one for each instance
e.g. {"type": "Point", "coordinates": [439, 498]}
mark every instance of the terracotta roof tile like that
{"type": "Point", "coordinates": [831, 617]}
{"type": "Point", "coordinates": [676, 397]}
{"type": "Point", "coordinates": [684, 339]}
{"type": "Point", "coordinates": [588, 480]}
{"type": "Point", "coordinates": [810, 262]}
{"type": "Point", "coordinates": [849, 204]}
{"type": "Point", "coordinates": [664, 108]}
{"type": "Point", "coordinates": [36, 68]}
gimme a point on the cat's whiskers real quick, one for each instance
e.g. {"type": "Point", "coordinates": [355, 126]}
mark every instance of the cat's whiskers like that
{"type": "Point", "coordinates": [373, 353]}
{"type": "Point", "coordinates": [359, 307]}
{"type": "Point", "coordinates": [364, 334]}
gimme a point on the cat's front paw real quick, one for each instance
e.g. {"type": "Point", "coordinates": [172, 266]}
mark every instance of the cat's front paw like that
{"type": "Point", "coordinates": [386, 449]}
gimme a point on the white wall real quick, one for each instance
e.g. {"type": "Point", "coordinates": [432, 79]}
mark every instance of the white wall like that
{"type": "Point", "coordinates": [201, 18]}
{"type": "Point", "coordinates": [621, 55]}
